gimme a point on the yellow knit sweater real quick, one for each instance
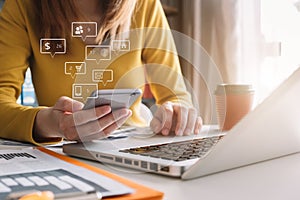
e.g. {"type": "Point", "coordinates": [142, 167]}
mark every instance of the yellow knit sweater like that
{"type": "Point", "coordinates": [152, 59]}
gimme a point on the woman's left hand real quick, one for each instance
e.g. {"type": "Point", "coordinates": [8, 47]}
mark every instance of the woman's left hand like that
{"type": "Point", "coordinates": [176, 117]}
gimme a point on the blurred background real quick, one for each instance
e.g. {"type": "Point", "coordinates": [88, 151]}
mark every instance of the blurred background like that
{"type": "Point", "coordinates": [255, 42]}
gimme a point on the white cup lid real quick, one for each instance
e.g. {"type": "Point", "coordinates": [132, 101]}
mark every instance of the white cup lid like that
{"type": "Point", "coordinates": [234, 89]}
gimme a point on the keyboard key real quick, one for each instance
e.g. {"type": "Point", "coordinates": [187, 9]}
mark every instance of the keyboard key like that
{"type": "Point", "coordinates": [58, 183]}
{"type": "Point", "coordinates": [24, 182]}
{"type": "Point", "coordinates": [9, 182]}
{"type": "Point", "coordinates": [38, 180]}
{"type": "Point", "coordinates": [4, 189]}
{"type": "Point", "coordinates": [77, 183]}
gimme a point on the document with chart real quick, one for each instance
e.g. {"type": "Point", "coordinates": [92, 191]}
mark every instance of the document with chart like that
{"type": "Point", "coordinates": [31, 169]}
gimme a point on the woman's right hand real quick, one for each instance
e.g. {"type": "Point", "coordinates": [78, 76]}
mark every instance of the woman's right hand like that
{"type": "Point", "coordinates": [66, 119]}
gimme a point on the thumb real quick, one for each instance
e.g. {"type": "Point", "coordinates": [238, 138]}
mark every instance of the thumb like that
{"type": "Point", "coordinates": [67, 104]}
{"type": "Point", "coordinates": [156, 123]}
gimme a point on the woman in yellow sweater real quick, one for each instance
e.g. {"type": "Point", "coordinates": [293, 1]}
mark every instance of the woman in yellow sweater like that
{"type": "Point", "coordinates": [24, 24]}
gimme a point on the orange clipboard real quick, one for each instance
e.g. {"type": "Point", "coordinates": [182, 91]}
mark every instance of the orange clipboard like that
{"type": "Point", "coordinates": [141, 192]}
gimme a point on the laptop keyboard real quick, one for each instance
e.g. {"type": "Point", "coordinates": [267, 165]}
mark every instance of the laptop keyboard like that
{"type": "Point", "coordinates": [177, 151]}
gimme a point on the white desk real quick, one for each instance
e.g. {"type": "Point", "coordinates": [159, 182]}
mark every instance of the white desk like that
{"type": "Point", "coordinates": [277, 179]}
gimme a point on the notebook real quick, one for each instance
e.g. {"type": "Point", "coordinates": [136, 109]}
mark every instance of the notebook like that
{"type": "Point", "coordinates": [270, 131]}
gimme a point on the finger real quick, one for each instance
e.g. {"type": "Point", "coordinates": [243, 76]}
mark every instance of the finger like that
{"type": "Point", "coordinates": [117, 124]}
{"type": "Point", "coordinates": [167, 118]}
{"type": "Point", "coordinates": [102, 123]}
{"type": "Point", "coordinates": [67, 104]}
{"type": "Point", "coordinates": [99, 125]}
{"type": "Point", "coordinates": [191, 122]}
{"type": "Point", "coordinates": [156, 125]}
{"type": "Point", "coordinates": [104, 133]}
{"type": "Point", "coordinates": [86, 116]}
{"type": "Point", "coordinates": [113, 117]}
{"type": "Point", "coordinates": [182, 117]}
{"type": "Point", "coordinates": [46, 195]}
{"type": "Point", "coordinates": [198, 125]}
{"type": "Point", "coordinates": [159, 122]}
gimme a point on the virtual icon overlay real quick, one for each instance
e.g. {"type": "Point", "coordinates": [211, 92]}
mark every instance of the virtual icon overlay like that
{"type": "Point", "coordinates": [84, 29]}
{"type": "Point", "coordinates": [103, 76]}
{"type": "Point", "coordinates": [120, 45]}
{"type": "Point", "coordinates": [98, 52]}
{"type": "Point", "coordinates": [53, 46]}
{"type": "Point", "coordinates": [75, 68]}
{"type": "Point", "coordinates": [83, 91]}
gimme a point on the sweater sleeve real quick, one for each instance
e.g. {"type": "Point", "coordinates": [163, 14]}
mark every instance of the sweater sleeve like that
{"type": "Point", "coordinates": [16, 121]}
{"type": "Point", "coordinates": [162, 65]}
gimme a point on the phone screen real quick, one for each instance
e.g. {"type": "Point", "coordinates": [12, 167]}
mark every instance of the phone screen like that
{"type": "Point", "coordinates": [117, 98]}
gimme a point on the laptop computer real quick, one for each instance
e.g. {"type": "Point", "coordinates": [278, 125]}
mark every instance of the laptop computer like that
{"type": "Point", "coordinates": [270, 131]}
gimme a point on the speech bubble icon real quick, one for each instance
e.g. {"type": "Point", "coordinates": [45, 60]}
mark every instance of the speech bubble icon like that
{"type": "Point", "coordinates": [98, 52]}
{"type": "Point", "coordinates": [84, 29]}
{"type": "Point", "coordinates": [83, 91]}
{"type": "Point", "coordinates": [120, 45]}
{"type": "Point", "coordinates": [103, 76]}
{"type": "Point", "coordinates": [53, 46]}
{"type": "Point", "coordinates": [75, 68]}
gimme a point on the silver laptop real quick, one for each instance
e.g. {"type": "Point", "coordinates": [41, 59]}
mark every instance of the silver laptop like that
{"type": "Point", "coordinates": [270, 131]}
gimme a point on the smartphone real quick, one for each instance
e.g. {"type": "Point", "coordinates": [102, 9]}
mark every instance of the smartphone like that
{"type": "Point", "coordinates": [116, 98]}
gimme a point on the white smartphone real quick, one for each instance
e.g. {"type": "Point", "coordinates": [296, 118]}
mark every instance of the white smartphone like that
{"type": "Point", "coordinates": [116, 98]}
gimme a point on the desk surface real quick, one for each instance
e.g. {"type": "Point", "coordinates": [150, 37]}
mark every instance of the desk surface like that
{"type": "Point", "coordinates": [277, 179]}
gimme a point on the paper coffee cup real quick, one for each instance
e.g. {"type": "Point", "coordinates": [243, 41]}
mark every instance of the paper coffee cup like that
{"type": "Point", "coordinates": [233, 102]}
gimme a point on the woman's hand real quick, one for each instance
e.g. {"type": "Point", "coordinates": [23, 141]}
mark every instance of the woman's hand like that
{"type": "Point", "coordinates": [67, 119]}
{"type": "Point", "coordinates": [176, 117]}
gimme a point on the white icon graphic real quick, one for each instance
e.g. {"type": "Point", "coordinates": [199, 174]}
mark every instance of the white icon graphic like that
{"type": "Point", "coordinates": [53, 46]}
{"type": "Point", "coordinates": [83, 91]}
{"type": "Point", "coordinates": [120, 45]}
{"type": "Point", "coordinates": [98, 52]}
{"type": "Point", "coordinates": [104, 53]}
{"type": "Point", "coordinates": [75, 68]}
{"type": "Point", "coordinates": [103, 76]}
{"type": "Point", "coordinates": [47, 46]}
{"type": "Point", "coordinates": [79, 30]}
{"type": "Point", "coordinates": [78, 91]}
{"type": "Point", "coordinates": [78, 68]}
{"type": "Point", "coordinates": [84, 29]}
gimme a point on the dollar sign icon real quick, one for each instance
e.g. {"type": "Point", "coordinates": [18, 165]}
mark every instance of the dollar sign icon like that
{"type": "Point", "coordinates": [47, 46]}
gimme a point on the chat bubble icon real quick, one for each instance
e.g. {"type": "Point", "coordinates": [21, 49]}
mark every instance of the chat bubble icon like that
{"type": "Point", "coordinates": [98, 52]}
{"type": "Point", "coordinates": [84, 29]}
{"type": "Point", "coordinates": [120, 45]}
{"type": "Point", "coordinates": [103, 76]}
{"type": "Point", "coordinates": [83, 91]}
{"type": "Point", "coordinates": [53, 46]}
{"type": "Point", "coordinates": [75, 68]}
